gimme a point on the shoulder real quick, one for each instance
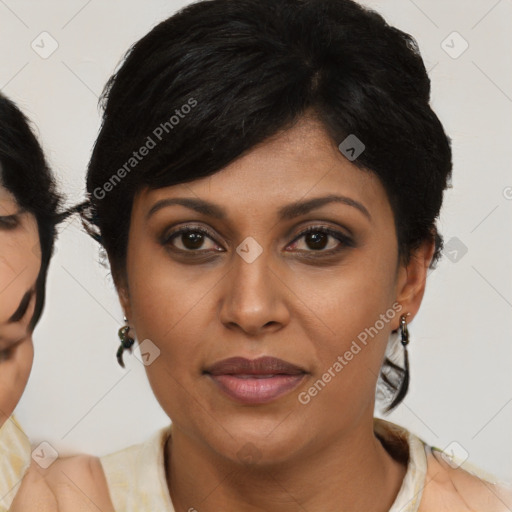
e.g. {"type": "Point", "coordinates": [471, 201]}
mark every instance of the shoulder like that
{"type": "Point", "coordinates": [439, 482]}
{"type": "Point", "coordinates": [144, 465]}
{"type": "Point", "coordinates": [450, 486]}
{"type": "Point", "coordinates": [74, 483]}
{"type": "Point", "coordinates": [133, 458]}
{"type": "Point", "coordinates": [85, 469]}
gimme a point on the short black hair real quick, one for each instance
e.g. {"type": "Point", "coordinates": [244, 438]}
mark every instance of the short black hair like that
{"type": "Point", "coordinates": [221, 76]}
{"type": "Point", "coordinates": [24, 172]}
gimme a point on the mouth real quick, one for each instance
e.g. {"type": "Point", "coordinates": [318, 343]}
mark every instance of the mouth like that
{"type": "Point", "coordinates": [255, 381]}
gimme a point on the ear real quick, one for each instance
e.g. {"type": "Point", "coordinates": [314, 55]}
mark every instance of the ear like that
{"type": "Point", "coordinates": [412, 279]}
{"type": "Point", "coordinates": [124, 295]}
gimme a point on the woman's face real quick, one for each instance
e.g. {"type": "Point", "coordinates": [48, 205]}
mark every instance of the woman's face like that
{"type": "Point", "coordinates": [324, 302]}
{"type": "Point", "coordinates": [20, 262]}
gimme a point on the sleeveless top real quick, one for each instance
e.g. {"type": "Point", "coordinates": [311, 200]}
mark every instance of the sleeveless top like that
{"type": "Point", "coordinates": [434, 481]}
{"type": "Point", "coordinates": [15, 456]}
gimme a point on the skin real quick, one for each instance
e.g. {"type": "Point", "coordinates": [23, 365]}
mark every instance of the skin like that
{"type": "Point", "coordinates": [74, 484]}
{"type": "Point", "coordinates": [20, 262]}
{"type": "Point", "coordinates": [316, 456]}
{"type": "Point", "coordinates": [290, 302]}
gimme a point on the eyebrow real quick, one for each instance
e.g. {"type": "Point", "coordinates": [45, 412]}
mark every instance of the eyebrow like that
{"type": "Point", "coordinates": [287, 212]}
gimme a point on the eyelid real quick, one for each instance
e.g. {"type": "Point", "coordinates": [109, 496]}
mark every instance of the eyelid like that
{"type": "Point", "coordinates": [186, 228]}
{"type": "Point", "coordinates": [335, 233]}
{"type": "Point", "coordinates": [9, 221]}
{"type": "Point", "coordinates": [345, 239]}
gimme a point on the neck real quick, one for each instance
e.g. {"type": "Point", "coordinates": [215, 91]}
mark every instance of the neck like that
{"type": "Point", "coordinates": [351, 472]}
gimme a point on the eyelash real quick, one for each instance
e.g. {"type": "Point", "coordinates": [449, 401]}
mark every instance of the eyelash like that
{"type": "Point", "coordinates": [344, 239]}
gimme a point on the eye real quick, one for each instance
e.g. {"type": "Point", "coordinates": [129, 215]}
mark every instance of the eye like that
{"type": "Point", "coordinates": [9, 222]}
{"type": "Point", "coordinates": [191, 238]}
{"type": "Point", "coordinates": [316, 239]}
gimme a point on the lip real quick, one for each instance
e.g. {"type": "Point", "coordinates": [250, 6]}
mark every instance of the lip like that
{"type": "Point", "coordinates": [255, 381]}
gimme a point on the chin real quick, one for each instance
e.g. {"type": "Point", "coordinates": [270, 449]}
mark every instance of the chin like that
{"type": "Point", "coordinates": [256, 441]}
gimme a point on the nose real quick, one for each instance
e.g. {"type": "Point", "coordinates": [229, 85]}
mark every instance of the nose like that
{"type": "Point", "coordinates": [254, 297]}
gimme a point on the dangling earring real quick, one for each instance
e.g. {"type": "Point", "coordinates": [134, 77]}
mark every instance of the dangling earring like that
{"type": "Point", "coordinates": [404, 339]}
{"type": "Point", "coordinates": [126, 342]}
{"type": "Point", "coordinates": [404, 384]}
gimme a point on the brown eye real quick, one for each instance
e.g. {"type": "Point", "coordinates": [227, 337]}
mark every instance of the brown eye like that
{"type": "Point", "coordinates": [8, 222]}
{"type": "Point", "coordinates": [316, 239]}
{"type": "Point", "coordinates": [191, 239]}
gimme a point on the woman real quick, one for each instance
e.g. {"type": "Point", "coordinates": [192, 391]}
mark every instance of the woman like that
{"type": "Point", "coordinates": [28, 216]}
{"type": "Point", "coordinates": [266, 183]}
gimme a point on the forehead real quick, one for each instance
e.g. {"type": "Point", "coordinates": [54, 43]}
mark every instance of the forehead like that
{"type": "Point", "coordinates": [298, 164]}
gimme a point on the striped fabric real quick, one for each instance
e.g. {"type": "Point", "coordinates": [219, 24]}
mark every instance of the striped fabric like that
{"type": "Point", "coordinates": [136, 476]}
{"type": "Point", "coordinates": [15, 455]}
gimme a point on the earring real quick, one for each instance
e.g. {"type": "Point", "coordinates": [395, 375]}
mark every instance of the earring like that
{"type": "Point", "coordinates": [404, 384]}
{"type": "Point", "coordinates": [404, 340]}
{"type": "Point", "coordinates": [126, 342]}
{"type": "Point", "coordinates": [404, 332]}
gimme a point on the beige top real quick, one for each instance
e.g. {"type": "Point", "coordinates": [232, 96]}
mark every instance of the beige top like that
{"type": "Point", "coordinates": [15, 455]}
{"type": "Point", "coordinates": [137, 482]}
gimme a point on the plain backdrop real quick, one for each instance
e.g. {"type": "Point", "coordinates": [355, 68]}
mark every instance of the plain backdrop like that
{"type": "Point", "coordinates": [79, 399]}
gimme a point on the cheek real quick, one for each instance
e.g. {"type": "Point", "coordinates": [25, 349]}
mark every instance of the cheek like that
{"type": "Point", "coordinates": [167, 310]}
{"type": "Point", "coordinates": [352, 318]}
{"type": "Point", "coordinates": [349, 297]}
{"type": "Point", "coordinates": [167, 304]}
{"type": "Point", "coordinates": [333, 313]}
{"type": "Point", "coordinates": [20, 262]}
{"type": "Point", "coordinates": [14, 376]}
